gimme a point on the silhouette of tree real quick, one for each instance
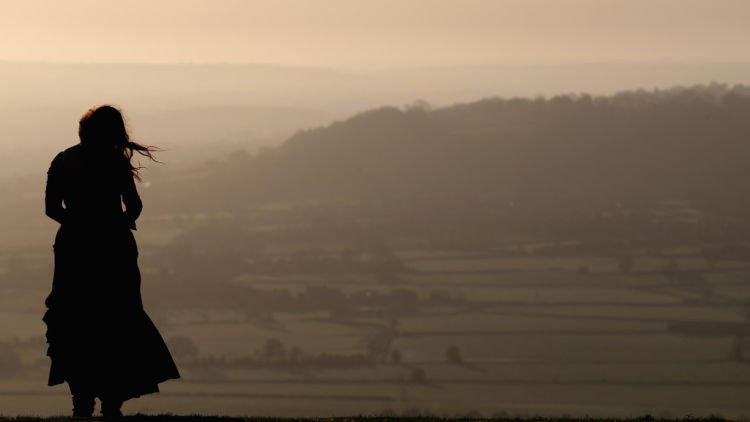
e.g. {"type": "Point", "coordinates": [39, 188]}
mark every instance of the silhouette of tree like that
{"type": "Point", "coordinates": [296, 354]}
{"type": "Point", "coordinates": [396, 356]}
{"type": "Point", "coordinates": [273, 350]}
{"type": "Point", "coordinates": [182, 347]}
{"type": "Point", "coordinates": [453, 355]}
{"type": "Point", "coordinates": [418, 376]}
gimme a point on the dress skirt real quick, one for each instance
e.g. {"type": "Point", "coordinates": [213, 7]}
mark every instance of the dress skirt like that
{"type": "Point", "coordinates": [100, 338]}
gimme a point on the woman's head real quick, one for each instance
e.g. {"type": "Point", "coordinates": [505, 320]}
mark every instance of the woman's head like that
{"type": "Point", "coordinates": [103, 128]}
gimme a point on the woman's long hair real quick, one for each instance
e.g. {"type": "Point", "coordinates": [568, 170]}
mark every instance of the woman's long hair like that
{"type": "Point", "coordinates": [103, 128]}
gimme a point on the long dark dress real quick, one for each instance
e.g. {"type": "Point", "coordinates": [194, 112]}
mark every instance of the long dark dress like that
{"type": "Point", "coordinates": [100, 338]}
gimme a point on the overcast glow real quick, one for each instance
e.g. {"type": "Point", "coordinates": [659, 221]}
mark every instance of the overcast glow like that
{"type": "Point", "coordinates": [379, 33]}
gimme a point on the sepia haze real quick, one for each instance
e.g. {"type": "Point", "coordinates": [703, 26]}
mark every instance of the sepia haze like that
{"type": "Point", "coordinates": [459, 208]}
{"type": "Point", "coordinates": [376, 33]}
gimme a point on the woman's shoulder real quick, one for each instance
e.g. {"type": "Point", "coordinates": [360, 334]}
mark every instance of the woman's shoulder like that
{"type": "Point", "coordinates": [80, 156]}
{"type": "Point", "coordinates": [68, 152]}
{"type": "Point", "coordinates": [65, 158]}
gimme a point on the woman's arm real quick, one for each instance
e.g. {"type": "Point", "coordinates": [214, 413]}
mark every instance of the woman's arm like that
{"type": "Point", "coordinates": [133, 204]}
{"type": "Point", "coordinates": [53, 197]}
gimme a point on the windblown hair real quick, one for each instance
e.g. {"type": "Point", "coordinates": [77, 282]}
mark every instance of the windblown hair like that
{"type": "Point", "coordinates": [103, 128]}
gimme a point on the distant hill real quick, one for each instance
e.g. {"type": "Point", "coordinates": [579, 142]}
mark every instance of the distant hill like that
{"type": "Point", "coordinates": [566, 154]}
{"type": "Point", "coordinates": [177, 104]}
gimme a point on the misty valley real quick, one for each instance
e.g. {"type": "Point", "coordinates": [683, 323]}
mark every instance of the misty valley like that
{"type": "Point", "coordinates": [576, 255]}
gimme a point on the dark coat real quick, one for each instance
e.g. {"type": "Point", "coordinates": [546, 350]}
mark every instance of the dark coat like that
{"type": "Point", "coordinates": [99, 335]}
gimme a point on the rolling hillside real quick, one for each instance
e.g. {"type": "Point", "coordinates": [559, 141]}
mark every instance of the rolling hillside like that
{"type": "Point", "coordinates": [565, 157]}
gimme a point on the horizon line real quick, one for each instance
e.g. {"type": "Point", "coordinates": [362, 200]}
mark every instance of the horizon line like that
{"type": "Point", "coordinates": [378, 67]}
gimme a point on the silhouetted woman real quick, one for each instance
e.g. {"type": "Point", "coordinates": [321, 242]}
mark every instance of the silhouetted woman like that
{"type": "Point", "coordinates": [101, 342]}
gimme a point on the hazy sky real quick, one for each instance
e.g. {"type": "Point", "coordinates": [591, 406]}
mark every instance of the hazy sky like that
{"type": "Point", "coordinates": [382, 33]}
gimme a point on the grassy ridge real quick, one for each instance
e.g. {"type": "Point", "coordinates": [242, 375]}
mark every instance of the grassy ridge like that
{"type": "Point", "coordinates": [200, 418]}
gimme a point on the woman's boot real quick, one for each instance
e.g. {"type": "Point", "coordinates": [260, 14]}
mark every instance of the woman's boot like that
{"type": "Point", "coordinates": [111, 408]}
{"type": "Point", "coordinates": [83, 405]}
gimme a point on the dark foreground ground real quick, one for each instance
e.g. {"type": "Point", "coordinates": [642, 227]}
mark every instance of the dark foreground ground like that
{"type": "Point", "coordinates": [198, 418]}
